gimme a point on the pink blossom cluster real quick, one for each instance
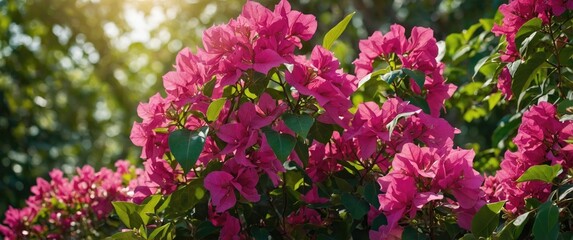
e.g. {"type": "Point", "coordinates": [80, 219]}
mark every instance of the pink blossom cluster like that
{"type": "Point", "coordinates": [541, 139]}
{"type": "Point", "coordinates": [515, 14]}
{"type": "Point", "coordinates": [419, 52]}
{"type": "Point", "coordinates": [429, 177]}
{"type": "Point", "coordinates": [518, 12]}
{"type": "Point", "coordinates": [62, 207]}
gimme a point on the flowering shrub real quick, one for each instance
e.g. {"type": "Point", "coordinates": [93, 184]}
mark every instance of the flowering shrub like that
{"type": "Point", "coordinates": [253, 140]}
{"type": "Point", "coordinates": [76, 207]}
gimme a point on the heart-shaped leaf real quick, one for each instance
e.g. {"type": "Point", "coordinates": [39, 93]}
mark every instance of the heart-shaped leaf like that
{"type": "Point", "coordinates": [186, 146]}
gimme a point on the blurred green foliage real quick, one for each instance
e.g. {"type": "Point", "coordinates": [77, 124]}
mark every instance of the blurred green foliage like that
{"type": "Point", "coordinates": [73, 71]}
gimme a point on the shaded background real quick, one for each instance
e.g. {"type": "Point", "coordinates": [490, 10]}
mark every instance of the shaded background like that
{"type": "Point", "coordinates": [73, 71]}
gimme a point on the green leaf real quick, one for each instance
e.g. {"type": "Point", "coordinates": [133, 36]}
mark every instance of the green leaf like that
{"type": "Point", "coordinates": [523, 72]}
{"type": "Point", "coordinates": [379, 221]}
{"type": "Point", "coordinates": [391, 125]}
{"type": "Point", "coordinates": [209, 86]}
{"type": "Point", "coordinates": [411, 233]}
{"type": "Point", "coordinates": [419, 102]}
{"type": "Point", "coordinates": [186, 197]}
{"type": "Point", "coordinates": [128, 214]}
{"type": "Point", "coordinates": [546, 225]}
{"type": "Point", "coordinates": [371, 191]}
{"type": "Point", "coordinates": [187, 145]}
{"type": "Point", "coordinates": [486, 219]}
{"type": "Point", "coordinates": [468, 236]}
{"type": "Point", "coordinates": [159, 233]}
{"type": "Point", "coordinates": [355, 206]}
{"type": "Point", "coordinates": [129, 235]}
{"type": "Point", "coordinates": [301, 150]}
{"type": "Point", "coordinates": [321, 132]}
{"type": "Point", "coordinates": [504, 130]}
{"type": "Point", "coordinates": [206, 229]}
{"type": "Point", "coordinates": [514, 228]}
{"type": "Point", "coordinates": [215, 108]}
{"type": "Point", "coordinates": [418, 76]}
{"type": "Point", "coordinates": [527, 29]}
{"type": "Point", "coordinates": [259, 85]}
{"type": "Point", "coordinates": [336, 31]}
{"type": "Point", "coordinates": [300, 124]}
{"type": "Point", "coordinates": [529, 44]}
{"type": "Point", "coordinates": [391, 76]}
{"type": "Point", "coordinates": [565, 107]}
{"type": "Point", "coordinates": [543, 173]}
{"type": "Point", "coordinates": [148, 207]}
{"type": "Point", "coordinates": [282, 144]}
{"type": "Point", "coordinates": [260, 233]}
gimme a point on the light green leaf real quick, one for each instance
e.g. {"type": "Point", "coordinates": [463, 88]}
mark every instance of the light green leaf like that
{"type": "Point", "coordinates": [215, 108]}
{"type": "Point", "coordinates": [543, 173]}
{"type": "Point", "coordinates": [282, 144]}
{"type": "Point", "coordinates": [300, 124]}
{"type": "Point", "coordinates": [486, 219]}
{"type": "Point", "coordinates": [336, 31]}
{"type": "Point", "coordinates": [128, 213]}
{"type": "Point", "coordinates": [186, 146]}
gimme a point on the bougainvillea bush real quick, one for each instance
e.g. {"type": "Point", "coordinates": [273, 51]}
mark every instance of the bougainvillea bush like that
{"type": "Point", "coordinates": [253, 140]}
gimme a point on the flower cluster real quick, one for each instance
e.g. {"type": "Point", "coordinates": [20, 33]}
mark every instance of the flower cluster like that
{"type": "Point", "coordinates": [422, 176]}
{"type": "Point", "coordinates": [515, 14]}
{"type": "Point", "coordinates": [73, 207]}
{"type": "Point", "coordinates": [419, 52]}
{"type": "Point", "coordinates": [541, 139]}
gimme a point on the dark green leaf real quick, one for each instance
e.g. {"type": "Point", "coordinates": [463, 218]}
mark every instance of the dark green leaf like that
{"type": "Point", "coordinates": [321, 132]}
{"type": "Point", "coordinates": [505, 129]}
{"type": "Point", "coordinates": [336, 31]}
{"type": "Point", "coordinates": [546, 225]}
{"type": "Point", "coordinates": [209, 86]}
{"type": "Point", "coordinates": [525, 71]}
{"type": "Point", "coordinates": [486, 219]}
{"type": "Point", "coordinates": [411, 233]}
{"type": "Point", "coordinates": [418, 76]}
{"type": "Point", "coordinates": [206, 229]}
{"type": "Point", "coordinates": [419, 102]}
{"type": "Point", "coordinates": [529, 44]}
{"type": "Point", "coordinates": [187, 145]}
{"type": "Point", "coordinates": [301, 150]}
{"type": "Point", "coordinates": [514, 228]}
{"type": "Point", "coordinates": [128, 214]}
{"type": "Point", "coordinates": [186, 197]}
{"type": "Point", "coordinates": [215, 108]}
{"type": "Point", "coordinates": [527, 29]}
{"type": "Point", "coordinates": [260, 233]}
{"type": "Point", "coordinates": [355, 206]}
{"type": "Point", "coordinates": [300, 124]}
{"type": "Point", "coordinates": [379, 221]}
{"type": "Point", "coordinates": [543, 173]}
{"type": "Point", "coordinates": [282, 144]}
{"type": "Point", "coordinates": [259, 85]}
{"type": "Point", "coordinates": [371, 191]}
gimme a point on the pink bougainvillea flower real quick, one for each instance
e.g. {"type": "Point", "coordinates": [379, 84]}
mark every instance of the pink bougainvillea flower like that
{"type": "Point", "coordinates": [221, 189]}
{"type": "Point", "coordinates": [312, 196]}
{"type": "Point", "coordinates": [222, 185]}
{"type": "Point", "coordinates": [504, 83]}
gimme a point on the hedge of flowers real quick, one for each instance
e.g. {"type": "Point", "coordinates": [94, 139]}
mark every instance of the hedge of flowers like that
{"type": "Point", "coordinates": [252, 140]}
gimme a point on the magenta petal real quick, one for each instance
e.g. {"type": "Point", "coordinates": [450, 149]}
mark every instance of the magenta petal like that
{"type": "Point", "coordinates": [266, 60]}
